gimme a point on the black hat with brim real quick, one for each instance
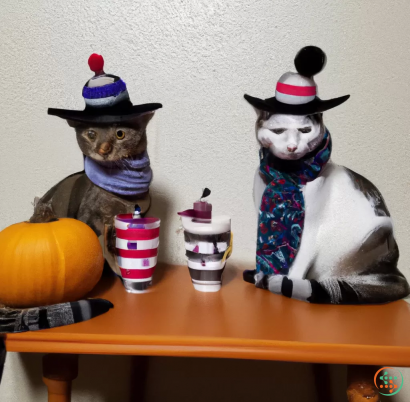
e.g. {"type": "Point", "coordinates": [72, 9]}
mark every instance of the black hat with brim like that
{"type": "Point", "coordinates": [122, 112]}
{"type": "Point", "coordinates": [317, 105]}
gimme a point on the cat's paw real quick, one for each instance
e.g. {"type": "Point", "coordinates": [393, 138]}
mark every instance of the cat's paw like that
{"type": "Point", "coordinates": [249, 275]}
{"type": "Point", "coordinates": [261, 280]}
{"type": "Point", "coordinates": [273, 283]}
{"type": "Point", "coordinates": [109, 238]}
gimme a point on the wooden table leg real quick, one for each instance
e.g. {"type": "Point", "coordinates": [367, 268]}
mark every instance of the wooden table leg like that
{"type": "Point", "coordinates": [58, 372]}
{"type": "Point", "coordinates": [360, 384]}
{"type": "Point", "coordinates": [322, 382]}
{"type": "Point", "coordinates": [139, 373]}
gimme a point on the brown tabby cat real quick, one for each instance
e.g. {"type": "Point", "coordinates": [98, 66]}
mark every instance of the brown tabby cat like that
{"type": "Point", "coordinates": [79, 198]}
{"type": "Point", "coordinates": [111, 133]}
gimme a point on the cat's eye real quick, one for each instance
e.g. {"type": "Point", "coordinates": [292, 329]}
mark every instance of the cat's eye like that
{"type": "Point", "coordinates": [91, 134]}
{"type": "Point", "coordinates": [120, 134]}
{"type": "Point", "coordinates": [305, 130]}
{"type": "Point", "coordinates": [278, 130]}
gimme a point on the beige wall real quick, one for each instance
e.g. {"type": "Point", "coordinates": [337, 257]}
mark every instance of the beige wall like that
{"type": "Point", "coordinates": [198, 58]}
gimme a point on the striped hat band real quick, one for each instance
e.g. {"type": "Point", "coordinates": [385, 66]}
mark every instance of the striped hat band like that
{"type": "Point", "coordinates": [295, 89]}
{"type": "Point", "coordinates": [104, 91]}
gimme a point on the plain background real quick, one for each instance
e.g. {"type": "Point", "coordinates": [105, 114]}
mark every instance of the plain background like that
{"type": "Point", "coordinates": [198, 58]}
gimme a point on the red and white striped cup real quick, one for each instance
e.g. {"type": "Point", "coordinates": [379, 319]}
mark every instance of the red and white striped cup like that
{"type": "Point", "coordinates": [137, 241]}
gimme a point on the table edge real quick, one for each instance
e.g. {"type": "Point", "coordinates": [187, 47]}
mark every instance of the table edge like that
{"type": "Point", "coordinates": [214, 348]}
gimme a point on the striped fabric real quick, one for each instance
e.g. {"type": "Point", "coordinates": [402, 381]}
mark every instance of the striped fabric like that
{"type": "Point", "coordinates": [57, 315]}
{"type": "Point", "coordinates": [137, 242]}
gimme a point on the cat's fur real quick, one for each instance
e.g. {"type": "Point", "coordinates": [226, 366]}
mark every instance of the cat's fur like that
{"type": "Point", "coordinates": [79, 198]}
{"type": "Point", "coordinates": [348, 253]}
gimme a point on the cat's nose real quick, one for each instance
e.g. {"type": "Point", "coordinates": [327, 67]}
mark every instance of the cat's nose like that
{"type": "Point", "coordinates": [105, 149]}
{"type": "Point", "coordinates": [292, 148]}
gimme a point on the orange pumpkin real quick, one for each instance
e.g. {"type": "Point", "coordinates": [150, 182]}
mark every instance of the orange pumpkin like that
{"type": "Point", "coordinates": [48, 262]}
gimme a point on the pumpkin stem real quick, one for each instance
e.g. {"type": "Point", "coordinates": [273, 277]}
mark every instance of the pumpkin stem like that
{"type": "Point", "coordinates": [43, 212]}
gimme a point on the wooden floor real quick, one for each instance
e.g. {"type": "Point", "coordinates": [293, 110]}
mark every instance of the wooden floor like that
{"type": "Point", "coordinates": [240, 321]}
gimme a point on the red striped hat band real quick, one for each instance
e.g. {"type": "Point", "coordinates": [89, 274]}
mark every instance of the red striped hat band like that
{"type": "Point", "coordinates": [295, 90]}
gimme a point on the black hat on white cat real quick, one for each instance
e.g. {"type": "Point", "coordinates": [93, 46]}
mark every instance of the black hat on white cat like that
{"type": "Point", "coordinates": [106, 99]}
{"type": "Point", "coordinates": [296, 93]}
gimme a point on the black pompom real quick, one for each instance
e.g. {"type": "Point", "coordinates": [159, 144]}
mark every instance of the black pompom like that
{"type": "Point", "coordinates": [205, 193]}
{"type": "Point", "coordinates": [310, 60]}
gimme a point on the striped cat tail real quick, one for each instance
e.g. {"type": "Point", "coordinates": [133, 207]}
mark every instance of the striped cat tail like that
{"type": "Point", "coordinates": [56, 315]}
{"type": "Point", "coordinates": [359, 289]}
{"type": "Point", "coordinates": [308, 290]}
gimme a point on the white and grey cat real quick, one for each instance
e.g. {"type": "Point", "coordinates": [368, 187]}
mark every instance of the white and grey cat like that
{"type": "Point", "coordinates": [348, 253]}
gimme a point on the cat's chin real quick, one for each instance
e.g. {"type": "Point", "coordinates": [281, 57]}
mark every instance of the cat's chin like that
{"type": "Point", "coordinates": [107, 158]}
{"type": "Point", "coordinates": [289, 157]}
{"type": "Point", "coordinates": [98, 158]}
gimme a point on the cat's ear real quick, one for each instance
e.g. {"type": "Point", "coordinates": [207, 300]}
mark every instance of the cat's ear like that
{"type": "Point", "coordinates": [141, 122]}
{"type": "Point", "coordinates": [261, 114]}
{"type": "Point", "coordinates": [74, 124]}
{"type": "Point", "coordinates": [316, 118]}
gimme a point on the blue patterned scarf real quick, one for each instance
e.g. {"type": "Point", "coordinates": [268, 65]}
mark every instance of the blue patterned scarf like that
{"type": "Point", "coordinates": [128, 177]}
{"type": "Point", "coordinates": [282, 210]}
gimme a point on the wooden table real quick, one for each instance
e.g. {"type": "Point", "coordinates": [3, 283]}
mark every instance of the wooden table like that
{"type": "Point", "coordinates": [239, 322]}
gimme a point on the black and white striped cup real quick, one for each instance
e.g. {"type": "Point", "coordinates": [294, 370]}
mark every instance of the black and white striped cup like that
{"type": "Point", "coordinates": [207, 255]}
